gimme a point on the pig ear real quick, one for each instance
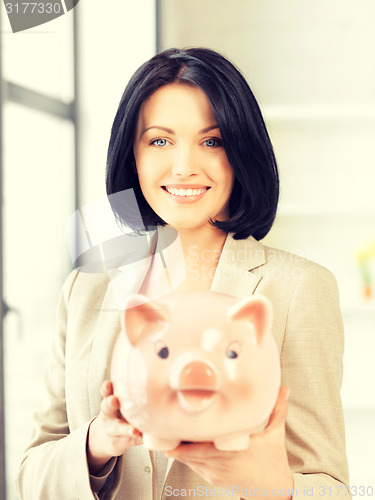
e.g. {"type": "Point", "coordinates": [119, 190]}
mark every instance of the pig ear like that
{"type": "Point", "coordinates": [142, 317]}
{"type": "Point", "coordinates": [257, 310]}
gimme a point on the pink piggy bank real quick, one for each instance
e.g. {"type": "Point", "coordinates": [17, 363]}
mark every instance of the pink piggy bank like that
{"type": "Point", "coordinates": [196, 367]}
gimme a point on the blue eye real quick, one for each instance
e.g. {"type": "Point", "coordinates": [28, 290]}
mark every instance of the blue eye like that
{"type": "Point", "coordinates": [213, 143]}
{"type": "Point", "coordinates": [159, 142]}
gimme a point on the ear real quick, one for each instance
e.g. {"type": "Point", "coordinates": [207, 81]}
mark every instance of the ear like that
{"type": "Point", "coordinates": [257, 310]}
{"type": "Point", "coordinates": [142, 317]}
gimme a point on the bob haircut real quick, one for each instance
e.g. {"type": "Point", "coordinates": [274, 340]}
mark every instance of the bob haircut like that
{"type": "Point", "coordinates": [254, 198]}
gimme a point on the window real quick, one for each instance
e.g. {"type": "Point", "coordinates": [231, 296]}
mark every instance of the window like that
{"type": "Point", "coordinates": [38, 179]}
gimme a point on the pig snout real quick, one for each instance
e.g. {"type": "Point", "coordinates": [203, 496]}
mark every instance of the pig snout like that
{"type": "Point", "coordinates": [196, 384]}
{"type": "Point", "coordinates": [197, 375]}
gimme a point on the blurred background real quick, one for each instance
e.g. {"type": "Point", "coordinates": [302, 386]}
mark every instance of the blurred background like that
{"type": "Point", "coordinates": [311, 66]}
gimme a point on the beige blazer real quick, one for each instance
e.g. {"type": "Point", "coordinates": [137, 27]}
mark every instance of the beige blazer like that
{"type": "Point", "coordinates": [309, 334]}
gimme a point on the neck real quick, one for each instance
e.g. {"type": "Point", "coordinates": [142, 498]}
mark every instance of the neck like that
{"type": "Point", "coordinates": [204, 242]}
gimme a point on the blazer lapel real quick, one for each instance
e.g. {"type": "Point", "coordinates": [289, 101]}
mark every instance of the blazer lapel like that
{"type": "Point", "coordinates": [104, 338]}
{"type": "Point", "coordinates": [234, 274]}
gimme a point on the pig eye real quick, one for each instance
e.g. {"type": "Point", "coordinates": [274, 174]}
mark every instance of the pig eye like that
{"type": "Point", "coordinates": [231, 354]}
{"type": "Point", "coordinates": [233, 350]}
{"type": "Point", "coordinates": [162, 350]}
{"type": "Point", "coordinates": [163, 353]}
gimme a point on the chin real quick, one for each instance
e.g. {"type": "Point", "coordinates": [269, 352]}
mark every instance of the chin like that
{"type": "Point", "coordinates": [186, 225]}
{"type": "Point", "coordinates": [183, 221]}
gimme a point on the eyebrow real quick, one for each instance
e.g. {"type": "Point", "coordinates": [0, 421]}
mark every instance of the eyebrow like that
{"type": "Point", "coordinates": [170, 131]}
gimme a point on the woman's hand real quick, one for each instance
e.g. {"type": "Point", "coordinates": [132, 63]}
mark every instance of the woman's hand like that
{"type": "Point", "coordinates": [110, 435]}
{"type": "Point", "coordinates": [263, 466]}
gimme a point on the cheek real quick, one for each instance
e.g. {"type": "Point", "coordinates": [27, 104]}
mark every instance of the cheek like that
{"type": "Point", "coordinates": [227, 182]}
{"type": "Point", "coordinates": [146, 177]}
{"type": "Point", "coordinates": [229, 174]}
{"type": "Point", "coordinates": [240, 390]}
{"type": "Point", "coordinates": [158, 388]}
{"type": "Point", "coordinates": [225, 174]}
{"type": "Point", "coordinates": [243, 388]}
{"type": "Point", "coordinates": [150, 167]}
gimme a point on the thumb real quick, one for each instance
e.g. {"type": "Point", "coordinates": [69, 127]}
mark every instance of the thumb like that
{"type": "Point", "coordinates": [280, 410]}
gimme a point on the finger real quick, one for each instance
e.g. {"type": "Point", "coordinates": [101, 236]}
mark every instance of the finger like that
{"type": "Point", "coordinates": [106, 389]}
{"type": "Point", "coordinates": [120, 426]}
{"type": "Point", "coordinates": [196, 451]}
{"type": "Point", "coordinates": [124, 430]}
{"type": "Point", "coordinates": [278, 415]}
{"type": "Point", "coordinates": [110, 407]}
{"type": "Point", "coordinates": [121, 443]}
{"type": "Point", "coordinates": [193, 464]}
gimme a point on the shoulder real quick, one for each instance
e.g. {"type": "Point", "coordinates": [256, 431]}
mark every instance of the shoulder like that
{"type": "Point", "coordinates": [297, 271]}
{"type": "Point", "coordinates": [305, 299]}
{"type": "Point", "coordinates": [281, 259]}
{"type": "Point", "coordinates": [273, 262]}
{"type": "Point", "coordinates": [292, 282]}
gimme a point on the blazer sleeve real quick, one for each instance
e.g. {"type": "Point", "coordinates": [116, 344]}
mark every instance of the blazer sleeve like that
{"type": "Point", "coordinates": [312, 366]}
{"type": "Point", "coordinates": [54, 464]}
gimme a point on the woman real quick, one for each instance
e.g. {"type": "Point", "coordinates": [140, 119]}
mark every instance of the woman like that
{"type": "Point", "coordinates": [189, 138]}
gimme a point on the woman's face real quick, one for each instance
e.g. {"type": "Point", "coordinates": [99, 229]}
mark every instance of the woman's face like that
{"type": "Point", "coordinates": [182, 167]}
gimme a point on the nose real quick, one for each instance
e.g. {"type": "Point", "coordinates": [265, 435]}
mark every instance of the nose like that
{"type": "Point", "coordinates": [197, 374]}
{"type": "Point", "coordinates": [184, 162]}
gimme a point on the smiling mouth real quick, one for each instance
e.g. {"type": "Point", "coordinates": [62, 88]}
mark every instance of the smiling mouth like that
{"type": "Point", "coordinates": [185, 193]}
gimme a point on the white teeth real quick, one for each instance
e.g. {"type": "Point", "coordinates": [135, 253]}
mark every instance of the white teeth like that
{"type": "Point", "coordinates": [185, 192]}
